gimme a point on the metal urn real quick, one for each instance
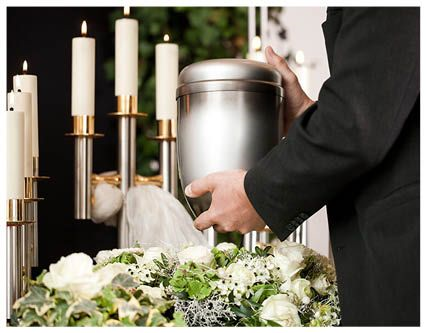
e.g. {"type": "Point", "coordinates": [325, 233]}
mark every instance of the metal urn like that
{"type": "Point", "coordinates": [228, 118]}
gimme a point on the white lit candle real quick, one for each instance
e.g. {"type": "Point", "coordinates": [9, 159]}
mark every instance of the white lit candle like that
{"type": "Point", "coordinates": [22, 103]}
{"type": "Point", "coordinates": [126, 65]}
{"type": "Point", "coordinates": [166, 79]}
{"type": "Point", "coordinates": [14, 151]}
{"type": "Point", "coordinates": [83, 75]}
{"type": "Point", "coordinates": [256, 53]}
{"type": "Point", "coordinates": [28, 83]}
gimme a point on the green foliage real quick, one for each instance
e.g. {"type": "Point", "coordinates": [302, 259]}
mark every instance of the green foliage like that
{"type": "Point", "coordinates": [193, 281]}
{"type": "Point", "coordinates": [116, 305]}
{"type": "Point", "coordinates": [222, 258]}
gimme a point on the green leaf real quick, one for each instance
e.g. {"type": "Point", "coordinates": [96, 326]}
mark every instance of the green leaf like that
{"type": "Point", "coordinates": [38, 298]}
{"type": "Point", "coordinates": [31, 318]}
{"type": "Point", "coordinates": [125, 281]}
{"type": "Point", "coordinates": [198, 290]}
{"type": "Point", "coordinates": [178, 319]}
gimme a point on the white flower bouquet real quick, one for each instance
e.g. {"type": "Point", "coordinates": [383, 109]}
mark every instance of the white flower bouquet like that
{"type": "Point", "coordinates": [282, 285]}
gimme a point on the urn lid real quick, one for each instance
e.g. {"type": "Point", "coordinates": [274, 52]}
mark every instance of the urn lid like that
{"type": "Point", "coordinates": [229, 74]}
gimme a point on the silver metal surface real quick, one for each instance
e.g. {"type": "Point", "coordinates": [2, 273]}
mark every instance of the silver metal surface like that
{"type": "Point", "coordinates": [34, 228]}
{"type": "Point", "coordinates": [166, 164]}
{"type": "Point", "coordinates": [211, 236]}
{"type": "Point", "coordinates": [228, 118]}
{"type": "Point", "coordinates": [263, 237]}
{"type": "Point", "coordinates": [13, 266]}
{"type": "Point", "coordinates": [174, 170]}
{"type": "Point", "coordinates": [221, 131]}
{"type": "Point", "coordinates": [126, 167]}
{"type": "Point", "coordinates": [83, 157]}
{"type": "Point", "coordinates": [228, 69]}
{"type": "Point", "coordinates": [250, 240]}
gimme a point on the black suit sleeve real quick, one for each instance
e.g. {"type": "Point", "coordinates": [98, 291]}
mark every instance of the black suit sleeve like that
{"type": "Point", "coordinates": [361, 110]}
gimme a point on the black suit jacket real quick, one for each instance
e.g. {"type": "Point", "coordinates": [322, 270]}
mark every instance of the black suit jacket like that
{"type": "Point", "coordinates": [357, 150]}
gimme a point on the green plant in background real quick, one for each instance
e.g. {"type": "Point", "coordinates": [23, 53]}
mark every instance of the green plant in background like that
{"type": "Point", "coordinates": [201, 33]}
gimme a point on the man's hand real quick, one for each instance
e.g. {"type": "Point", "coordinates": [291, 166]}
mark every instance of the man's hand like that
{"type": "Point", "coordinates": [296, 99]}
{"type": "Point", "coordinates": [230, 209]}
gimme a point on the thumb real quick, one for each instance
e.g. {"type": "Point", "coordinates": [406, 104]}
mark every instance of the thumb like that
{"type": "Point", "coordinates": [199, 187]}
{"type": "Point", "coordinates": [279, 63]}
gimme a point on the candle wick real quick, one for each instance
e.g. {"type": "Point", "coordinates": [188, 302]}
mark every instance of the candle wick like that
{"type": "Point", "coordinates": [19, 90]}
{"type": "Point", "coordinates": [11, 109]}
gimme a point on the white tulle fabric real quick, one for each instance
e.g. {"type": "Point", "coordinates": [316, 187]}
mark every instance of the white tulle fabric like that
{"type": "Point", "coordinates": [107, 201]}
{"type": "Point", "coordinates": [157, 218]}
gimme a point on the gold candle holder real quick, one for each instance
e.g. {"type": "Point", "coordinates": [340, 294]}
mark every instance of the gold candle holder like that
{"type": "Point", "coordinates": [83, 133]}
{"type": "Point", "coordinates": [168, 164]}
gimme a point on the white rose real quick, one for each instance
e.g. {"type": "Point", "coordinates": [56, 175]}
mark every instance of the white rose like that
{"type": "Point", "coordinates": [106, 255]}
{"type": "Point", "coordinates": [286, 267]}
{"type": "Point", "coordinates": [197, 254]}
{"type": "Point", "coordinates": [240, 274]}
{"type": "Point", "coordinates": [301, 288]}
{"type": "Point", "coordinates": [226, 246]}
{"type": "Point", "coordinates": [280, 309]}
{"type": "Point", "coordinates": [291, 250]}
{"type": "Point", "coordinates": [321, 284]}
{"type": "Point", "coordinates": [73, 273]}
{"type": "Point", "coordinates": [107, 273]}
{"type": "Point", "coordinates": [289, 257]}
{"type": "Point", "coordinates": [150, 255]}
{"type": "Point", "coordinates": [153, 292]}
{"type": "Point", "coordinates": [285, 286]}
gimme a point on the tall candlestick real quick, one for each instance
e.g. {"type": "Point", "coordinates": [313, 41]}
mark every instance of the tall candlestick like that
{"type": "Point", "coordinates": [14, 151]}
{"type": "Point", "coordinates": [22, 103]}
{"type": "Point", "coordinates": [28, 83]}
{"type": "Point", "coordinates": [126, 66]}
{"type": "Point", "coordinates": [166, 79]}
{"type": "Point", "coordinates": [83, 75]}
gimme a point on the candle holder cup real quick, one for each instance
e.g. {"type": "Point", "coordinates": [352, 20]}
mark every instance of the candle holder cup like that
{"type": "Point", "coordinates": [83, 133]}
{"type": "Point", "coordinates": [168, 167]}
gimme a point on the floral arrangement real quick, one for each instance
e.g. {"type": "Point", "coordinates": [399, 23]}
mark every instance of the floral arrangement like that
{"type": "Point", "coordinates": [286, 284]}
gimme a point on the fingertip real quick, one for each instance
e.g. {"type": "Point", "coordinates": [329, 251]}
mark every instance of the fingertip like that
{"type": "Point", "coordinates": [188, 192]}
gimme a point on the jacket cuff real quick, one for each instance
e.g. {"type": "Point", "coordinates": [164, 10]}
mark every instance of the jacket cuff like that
{"type": "Point", "coordinates": [255, 183]}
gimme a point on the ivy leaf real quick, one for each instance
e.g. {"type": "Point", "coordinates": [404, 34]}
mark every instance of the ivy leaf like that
{"type": "Point", "coordinates": [58, 315]}
{"type": "Point", "coordinates": [125, 281]}
{"type": "Point", "coordinates": [31, 318]}
{"type": "Point", "coordinates": [37, 298]}
{"type": "Point", "coordinates": [83, 306]}
{"type": "Point", "coordinates": [155, 318]}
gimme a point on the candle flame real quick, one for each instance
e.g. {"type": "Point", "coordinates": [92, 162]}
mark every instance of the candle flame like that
{"type": "Point", "coordinates": [166, 38]}
{"type": "Point", "coordinates": [126, 11]}
{"type": "Point", "coordinates": [256, 43]}
{"type": "Point", "coordinates": [299, 57]}
{"type": "Point", "coordinates": [25, 67]}
{"type": "Point", "coordinates": [84, 28]}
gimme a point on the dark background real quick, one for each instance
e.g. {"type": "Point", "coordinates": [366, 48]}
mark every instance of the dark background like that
{"type": "Point", "coordinates": [42, 36]}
